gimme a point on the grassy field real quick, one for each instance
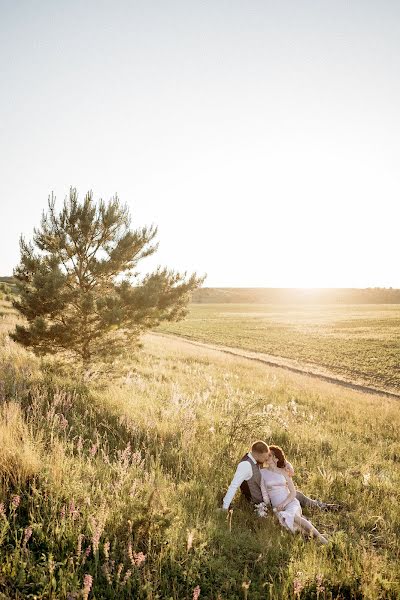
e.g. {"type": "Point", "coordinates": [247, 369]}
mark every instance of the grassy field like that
{"type": "Point", "coordinates": [357, 342]}
{"type": "Point", "coordinates": [111, 491]}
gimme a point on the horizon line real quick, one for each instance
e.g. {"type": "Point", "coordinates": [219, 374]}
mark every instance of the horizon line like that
{"type": "Point", "coordinates": [257, 287]}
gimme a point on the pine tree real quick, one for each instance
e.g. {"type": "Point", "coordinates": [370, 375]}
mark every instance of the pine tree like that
{"type": "Point", "coordinates": [79, 290]}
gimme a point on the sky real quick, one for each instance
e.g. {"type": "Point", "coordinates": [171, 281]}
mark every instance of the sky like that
{"type": "Point", "coordinates": [261, 137]}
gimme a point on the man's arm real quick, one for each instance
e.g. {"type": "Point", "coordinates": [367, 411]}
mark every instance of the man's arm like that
{"type": "Point", "coordinates": [244, 472]}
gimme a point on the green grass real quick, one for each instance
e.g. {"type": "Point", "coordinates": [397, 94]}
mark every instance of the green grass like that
{"type": "Point", "coordinates": [357, 342]}
{"type": "Point", "coordinates": [140, 465]}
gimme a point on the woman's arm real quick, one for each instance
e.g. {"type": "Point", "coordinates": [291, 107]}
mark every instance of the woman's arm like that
{"type": "Point", "coordinates": [289, 468]}
{"type": "Point", "coordinates": [264, 491]}
{"type": "Point", "coordinates": [292, 492]}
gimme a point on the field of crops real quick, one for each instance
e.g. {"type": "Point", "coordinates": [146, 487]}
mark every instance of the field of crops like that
{"type": "Point", "coordinates": [111, 490]}
{"type": "Point", "coordinates": [358, 342]}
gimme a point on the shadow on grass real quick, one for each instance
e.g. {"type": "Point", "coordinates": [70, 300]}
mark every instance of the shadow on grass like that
{"type": "Point", "coordinates": [234, 555]}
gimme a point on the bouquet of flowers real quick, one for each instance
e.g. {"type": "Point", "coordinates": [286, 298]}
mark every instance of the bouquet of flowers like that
{"type": "Point", "coordinates": [261, 509]}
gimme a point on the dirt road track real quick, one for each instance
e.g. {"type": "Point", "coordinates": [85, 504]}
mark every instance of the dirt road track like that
{"type": "Point", "coordinates": [284, 363]}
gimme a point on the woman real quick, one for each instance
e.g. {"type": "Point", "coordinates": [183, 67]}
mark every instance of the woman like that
{"type": "Point", "coordinates": [278, 489]}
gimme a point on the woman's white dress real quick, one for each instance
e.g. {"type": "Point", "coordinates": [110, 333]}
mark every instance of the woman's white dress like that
{"type": "Point", "coordinates": [275, 490]}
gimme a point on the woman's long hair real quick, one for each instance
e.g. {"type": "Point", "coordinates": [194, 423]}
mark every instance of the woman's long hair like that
{"type": "Point", "coordinates": [280, 455]}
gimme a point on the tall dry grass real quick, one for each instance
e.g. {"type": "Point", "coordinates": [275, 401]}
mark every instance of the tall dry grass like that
{"type": "Point", "coordinates": [111, 491]}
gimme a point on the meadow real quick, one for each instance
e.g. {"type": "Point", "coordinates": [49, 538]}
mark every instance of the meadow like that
{"type": "Point", "coordinates": [359, 343]}
{"type": "Point", "coordinates": [110, 490]}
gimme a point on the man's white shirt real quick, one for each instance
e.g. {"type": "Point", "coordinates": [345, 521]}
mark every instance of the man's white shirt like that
{"type": "Point", "coordinates": [244, 472]}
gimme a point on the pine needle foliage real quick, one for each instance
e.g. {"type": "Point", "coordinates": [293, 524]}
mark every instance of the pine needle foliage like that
{"type": "Point", "coordinates": [79, 290]}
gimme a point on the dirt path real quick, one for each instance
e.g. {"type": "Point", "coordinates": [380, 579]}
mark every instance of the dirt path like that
{"type": "Point", "coordinates": [285, 363]}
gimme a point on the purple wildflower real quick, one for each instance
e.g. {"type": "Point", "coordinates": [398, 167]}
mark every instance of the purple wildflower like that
{"type": "Point", "coordinates": [73, 511]}
{"type": "Point", "coordinates": [15, 501]}
{"type": "Point", "coordinates": [106, 571]}
{"type": "Point", "coordinates": [86, 554]}
{"type": "Point", "coordinates": [106, 547]}
{"type": "Point", "coordinates": [27, 535]}
{"type": "Point", "coordinates": [119, 570]}
{"type": "Point", "coordinates": [79, 546]}
{"type": "Point", "coordinates": [63, 421]}
{"type": "Point", "coordinates": [297, 587]}
{"type": "Point", "coordinates": [320, 587]}
{"type": "Point", "coordinates": [96, 538]}
{"type": "Point", "coordinates": [93, 450]}
{"type": "Point", "coordinates": [139, 558]}
{"type": "Point", "coordinates": [87, 586]}
{"type": "Point", "coordinates": [126, 578]}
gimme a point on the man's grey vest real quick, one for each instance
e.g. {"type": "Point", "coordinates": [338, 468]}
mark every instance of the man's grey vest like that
{"type": "Point", "coordinates": [251, 489]}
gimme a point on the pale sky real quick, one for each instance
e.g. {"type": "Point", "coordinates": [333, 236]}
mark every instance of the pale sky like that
{"type": "Point", "coordinates": [262, 137]}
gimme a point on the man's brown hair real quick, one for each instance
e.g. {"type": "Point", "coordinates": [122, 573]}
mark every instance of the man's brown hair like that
{"type": "Point", "coordinates": [260, 447]}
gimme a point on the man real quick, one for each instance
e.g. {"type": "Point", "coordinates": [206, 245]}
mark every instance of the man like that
{"type": "Point", "coordinates": [248, 478]}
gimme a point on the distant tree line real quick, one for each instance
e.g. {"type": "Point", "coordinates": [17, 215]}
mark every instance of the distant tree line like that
{"type": "Point", "coordinates": [297, 296]}
{"type": "Point", "coordinates": [277, 295]}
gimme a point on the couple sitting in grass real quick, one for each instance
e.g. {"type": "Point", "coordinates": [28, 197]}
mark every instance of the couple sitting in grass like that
{"type": "Point", "coordinates": [265, 478]}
